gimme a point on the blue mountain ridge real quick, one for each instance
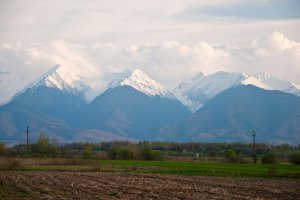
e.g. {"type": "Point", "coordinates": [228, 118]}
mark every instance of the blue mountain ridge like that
{"type": "Point", "coordinates": [124, 113]}
{"type": "Point", "coordinates": [233, 114]}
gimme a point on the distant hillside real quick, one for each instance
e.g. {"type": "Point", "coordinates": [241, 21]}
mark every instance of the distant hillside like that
{"type": "Point", "coordinates": [128, 112]}
{"type": "Point", "coordinates": [234, 113]}
{"type": "Point", "coordinates": [136, 107]}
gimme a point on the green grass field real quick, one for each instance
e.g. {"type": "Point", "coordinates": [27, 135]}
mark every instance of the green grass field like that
{"type": "Point", "coordinates": [180, 168]}
{"type": "Point", "coordinates": [204, 169]}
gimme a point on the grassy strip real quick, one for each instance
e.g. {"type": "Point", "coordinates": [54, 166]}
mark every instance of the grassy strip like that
{"type": "Point", "coordinates": [205, 169]}
{"type": "Point", "coordinates": [164, 167]}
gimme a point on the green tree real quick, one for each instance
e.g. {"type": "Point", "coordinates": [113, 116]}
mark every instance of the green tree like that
{"type": "Point", "coordinates": [43, 139]}
{"type": "Point", "coordinates": [87, 150]}
{"type": "Point", "coordinates": [269, 158]}
{"type": "Point", "coordinates": [229, 153]}
{"type": "Point", "coordinates": [43, 147]}
{"type": "Point", "coordinates": [125, 154]}
{"type": "Point", "coordinates": [147, 154]}
{"type": "Point", "coordinates": [112, 152]}
{"type": "Point", "coordinates": [2, 149]}
{"type": "Point", "coordinates": [65, 152]}
{"type": "Point", "coordinates": [295, 159]}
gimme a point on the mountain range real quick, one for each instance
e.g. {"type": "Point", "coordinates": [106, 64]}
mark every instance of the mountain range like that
{"type": "Point", "coordinates": [133, 106]}
{"type": "Point", "coordinates": [222, 106]}
{"type": "Point", "coordinates": [233, 114]}
{"type": "Point", "coordinates": [195, 92]}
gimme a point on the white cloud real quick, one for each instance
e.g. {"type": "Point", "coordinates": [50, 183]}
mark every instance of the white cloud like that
{"type": "Point", "coordinates": [169, 62]}
{"type": "Point", "coordinates": [132, 21]}
{"type": "Point", "coordinates": [170, 40]}
{"type": "Point", "coordinates": [276, 54]}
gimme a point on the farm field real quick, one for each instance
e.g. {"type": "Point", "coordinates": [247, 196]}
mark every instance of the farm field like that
{"type": "Point", "coordinates": [163, 167]}
{"type": "Point", "coordinates": [57, 178]}
{"type": "Point", "coordinates": [107, 185]}
{"type": "Point", "coordinates": [203, 169]}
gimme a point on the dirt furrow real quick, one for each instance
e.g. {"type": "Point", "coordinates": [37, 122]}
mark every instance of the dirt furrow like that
{"type": "Point", "coordinates": [96, 185]}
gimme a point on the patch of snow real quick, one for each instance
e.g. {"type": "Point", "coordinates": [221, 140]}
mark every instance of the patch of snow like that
{"type": "Point", "coordinates": [278, 83]}
{"type": "Point", "coordinates": [141, 82]}
{"type": "Point", "coordinates": [253, 81]}
{"type": "Point", "coordinates": [201, 88]}
{"type": "Point", "coordinates": [59, 78]}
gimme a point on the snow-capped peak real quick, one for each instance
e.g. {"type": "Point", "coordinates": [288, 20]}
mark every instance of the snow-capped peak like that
{"type": "Point", "coordinates": [253, 81]}
{"type": "Point", "coordinates": [201, 88]}
{"type": "Point", "coordinates": [141, 82]}
{"type": "Point", "coordinates": [263, 76]}
{"type": "Point", "coordinates": [278, 83]}
{"type": "Point", "coordinates": [60, 78]}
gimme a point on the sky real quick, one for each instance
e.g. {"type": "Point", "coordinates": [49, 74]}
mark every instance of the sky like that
{"type": "Point", "coordinates": [170, 40]}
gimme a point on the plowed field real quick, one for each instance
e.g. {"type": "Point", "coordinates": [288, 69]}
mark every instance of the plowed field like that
{"type": "Point", "coordinates": [97, 185]}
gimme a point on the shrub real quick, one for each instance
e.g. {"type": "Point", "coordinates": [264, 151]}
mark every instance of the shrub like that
{"type": "Point", "coordinates": [269, 158]}
{"type": "Point", "coordinates": [11, 165]}
{"type": "Point", "coordinates": [157, 155]}
{"type": "Point", "coordinates": [112, 153]}
{"type": "Point", "coordinates": [236, 159]}
{"type": "Point", "coordinates": [65, 152]}
{"type": "Point", "coordinates": [125, 154]}
{"type": "Point", "coordinates": [87, 150]}
{"type": "Point", "coordinates": [149, 154]}
{"type": "Point", "coordinates": [231, 156]}
{"type": "Point", "coordinates": [102, 155]}
{"type": "Point", "coordinates": [229, 153]}
{"type": "Point", "coordinates": [42, 148]}
{"type": "Point", "coordinates": [295, 158]}
{"type": "Point", "coordinates": [2, 149]}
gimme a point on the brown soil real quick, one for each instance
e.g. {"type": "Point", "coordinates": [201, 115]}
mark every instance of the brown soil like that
{"type": "Point", "coordinates": [94, 185]}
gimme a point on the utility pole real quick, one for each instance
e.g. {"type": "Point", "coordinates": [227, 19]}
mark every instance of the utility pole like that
{"type": "Point", "coordinates": [27, 132]}
{"type": "Point", "coordinates": [254, 148]}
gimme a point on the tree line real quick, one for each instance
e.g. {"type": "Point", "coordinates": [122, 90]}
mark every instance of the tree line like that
{"type": "Point", "coordinates": [144, 150]}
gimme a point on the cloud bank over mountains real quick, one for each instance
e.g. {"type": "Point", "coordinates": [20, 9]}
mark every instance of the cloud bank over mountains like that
{"type": "Point", "coordinates": [169, 40]}
{"type": "Point", "coordinates": [169, 62]}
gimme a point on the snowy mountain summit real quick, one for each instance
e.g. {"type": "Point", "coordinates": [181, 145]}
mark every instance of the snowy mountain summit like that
{"type": "Point", "coordinates": [201, 88]}
{"type": "Point", "coordinates": [278, 83]}
{"type": "Point", "coordinates": [62, 79]}
{"type": "Point", "coordinates": [138, 80]}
